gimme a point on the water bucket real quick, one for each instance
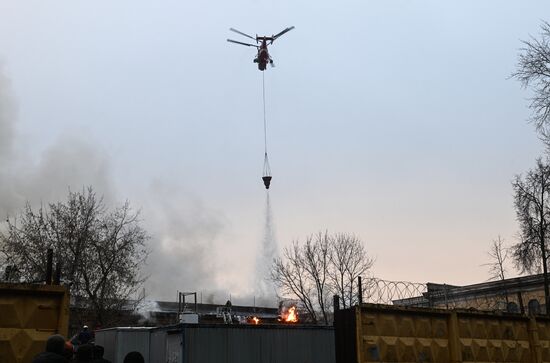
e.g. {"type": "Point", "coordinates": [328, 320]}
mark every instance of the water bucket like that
{"type": "Point", "coordinates": [267, 181]}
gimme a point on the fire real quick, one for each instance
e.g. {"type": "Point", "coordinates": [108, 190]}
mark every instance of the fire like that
{"type": "Point", "coordinates": [255, 320]}
{"type": "Point", "coordinates": [290, 316]}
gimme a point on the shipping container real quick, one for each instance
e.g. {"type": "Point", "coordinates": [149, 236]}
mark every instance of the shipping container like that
{"type": "Point", "coordinates": [220, 343]}
{"type": "Point", "coordinates": [118, 342]}
{"type": "Point", "coordinates": [385, 333]}
{"type": "Point", "coordinates": [29, 314]}
{"type": "Point", "coordinates": [157, 346]}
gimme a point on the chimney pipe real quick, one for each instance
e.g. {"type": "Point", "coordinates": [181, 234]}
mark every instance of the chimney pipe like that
{"type": "Point", "coordinates": [57, 276]}
{"type": "Point", "coordinates": [49, 267]}
{"type": "Point", "coordinates": [360, 290]}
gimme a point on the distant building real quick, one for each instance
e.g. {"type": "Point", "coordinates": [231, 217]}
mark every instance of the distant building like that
{"type": "Point", "coordinates": [166, 312]}
{"type": "Point", "coordinates": [159, 313]}
{"type": "Point", "coordinates": [520, 294]}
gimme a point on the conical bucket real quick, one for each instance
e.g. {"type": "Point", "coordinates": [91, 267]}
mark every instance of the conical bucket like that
{"type": "Point", "coordinates": [267, 181]}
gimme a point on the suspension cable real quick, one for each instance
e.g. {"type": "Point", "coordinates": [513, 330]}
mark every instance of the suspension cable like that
{"type": "Point", "coordinates": [265, 119]}
{"type": "Point", "coordinates": [267, 168]}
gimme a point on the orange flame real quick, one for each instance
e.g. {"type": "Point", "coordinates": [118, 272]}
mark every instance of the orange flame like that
{"type": "Point", "coordinates": [291, 316]}
{"type": "Point", "coordinates": [255, 320]}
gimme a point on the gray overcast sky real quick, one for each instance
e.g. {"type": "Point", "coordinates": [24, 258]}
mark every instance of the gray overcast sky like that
{"type": "Point", "coordinates": [393, 120]}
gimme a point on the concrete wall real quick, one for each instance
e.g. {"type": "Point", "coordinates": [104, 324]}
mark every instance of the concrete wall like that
{"type": "Point", "coordinates": [29, 314]}
{"type": "Point", "coordinates": [380, 333]}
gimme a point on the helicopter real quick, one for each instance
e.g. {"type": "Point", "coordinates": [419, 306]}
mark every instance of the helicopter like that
{"type": "Point", "coordinates": [262, 58]}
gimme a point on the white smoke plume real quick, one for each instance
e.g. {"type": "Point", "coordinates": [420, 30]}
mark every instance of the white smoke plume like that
{"type": "Point", "coordinates": [70, 163]}
{"type": "Point", "coordinates": [182, 229]}
{"type": "Point", "coordinates": [145, 308]}
{"type": "Point", "coordinates": [7, 118]}
{"type": "Point", "coordinates": [8, 198]}
{"type": "Point", "coordinates": [184, 235]}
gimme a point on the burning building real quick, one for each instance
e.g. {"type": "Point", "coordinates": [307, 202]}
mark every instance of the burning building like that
{"type": "Point", "coordinates": [166, 312]}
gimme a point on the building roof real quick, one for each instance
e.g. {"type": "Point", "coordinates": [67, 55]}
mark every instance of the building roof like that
{"type": "Point", "coordinates": [203, 309]}
{"type": "Point", "coordinates": [439, 293]}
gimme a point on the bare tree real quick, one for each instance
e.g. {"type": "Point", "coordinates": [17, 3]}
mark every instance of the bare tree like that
{"type": "Point", "coordinates": [498, 254]}
{"type": "Point", "coordinates": [101, 251]}
{"type": "Point", "coordinates": [532, 203]}
{"type": "Point", "coordinates": [533, 70]}
{"type": "Point", "coordinates": [324, 265]}
{"type": "Point", "coordinates": [316, 257]}
{"type": "Point", "coordinates": [290, 274]}
{"type": "Point", "coordinates": [349, 260]}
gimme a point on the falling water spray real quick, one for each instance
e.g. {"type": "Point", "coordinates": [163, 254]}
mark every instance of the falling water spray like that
{"type": "Point", "coordinates": [265, 288]}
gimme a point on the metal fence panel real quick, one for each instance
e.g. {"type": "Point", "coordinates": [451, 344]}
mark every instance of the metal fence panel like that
{"type": "Point", "coordinates": [174, 347]}
{"type": "Point", "coordinates": [107, 339]}
{"type": "Point", "coordinates": [118, 342]}
{"type": "Point", "coordinates": [258, 344]}
{"type": "Point", "coordinates": [157, 347]}
{"type": "Point", "coordinates": [221, 344]}
{"type": "Point", "coordinates": [132, 341]}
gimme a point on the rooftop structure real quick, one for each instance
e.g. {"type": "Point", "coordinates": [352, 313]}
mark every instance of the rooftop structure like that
{"type": "Point", "coordinates": [518, 294]}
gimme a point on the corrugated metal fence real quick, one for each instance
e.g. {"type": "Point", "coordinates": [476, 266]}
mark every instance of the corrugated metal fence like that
{"type": "Point", "coordinates": [254, 344]}
{"type": "Point", "coordinates": [382, 333]}
{"type": "Point", "coordinates": [118, 342]}
{"type": "Point", "coordinates": [217, 343]}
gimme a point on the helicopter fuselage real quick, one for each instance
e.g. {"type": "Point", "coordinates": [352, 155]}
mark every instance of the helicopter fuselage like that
{"type": "Point", "coordinates": [262, 58]}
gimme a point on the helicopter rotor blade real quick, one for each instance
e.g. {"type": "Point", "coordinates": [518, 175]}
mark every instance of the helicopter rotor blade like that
{"type": "Point", "coordinates": [241, 33]}
{"type": "Point", "coordinates": [283, 32]}
{"type": "Point", "coordinates": [241, 43]}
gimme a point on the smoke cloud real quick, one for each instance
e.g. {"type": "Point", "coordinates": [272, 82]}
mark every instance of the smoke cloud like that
{"type": "Point", "coordinates": [183, 231]}
{"type": "Point", "coordinates": [7, 118]}
{"type": "Point", "coordinates": [185, 234]}
{"type": "Point", "coordinates": [8, 196]}
{"type": "Point", "coordinates": [145, 308]}
{"type": "Point", "coordinates": [70, 163]}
